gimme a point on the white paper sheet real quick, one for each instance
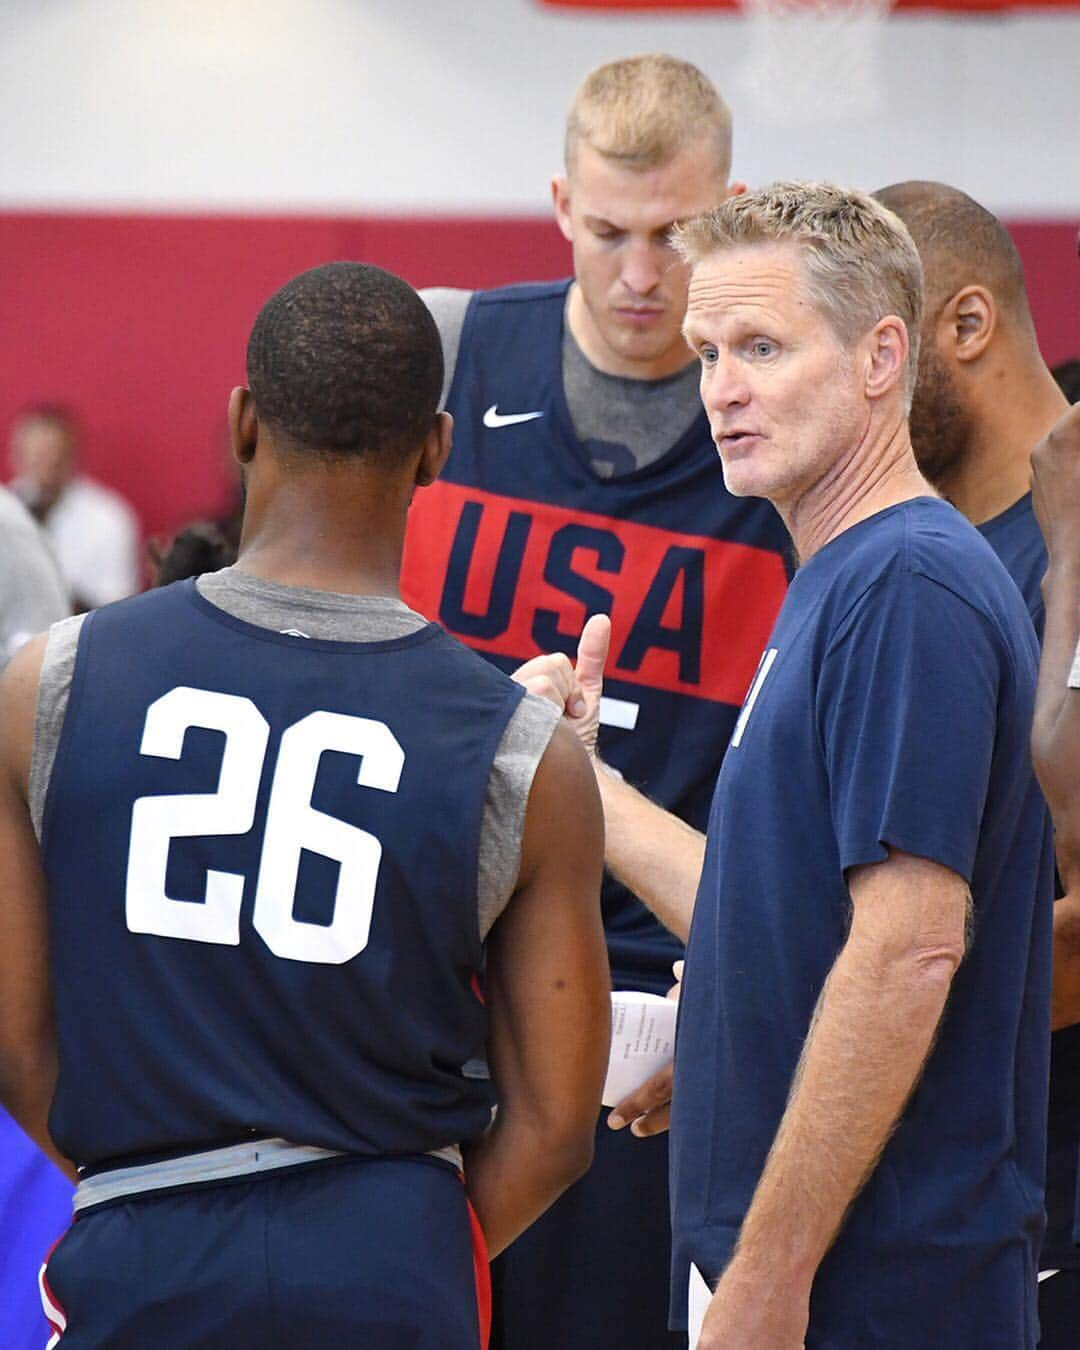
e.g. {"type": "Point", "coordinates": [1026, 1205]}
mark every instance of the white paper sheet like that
{"type": "Point", "coordinates": [699, 1295]}
{"type": "Point", "coordinates": [642, 1041]}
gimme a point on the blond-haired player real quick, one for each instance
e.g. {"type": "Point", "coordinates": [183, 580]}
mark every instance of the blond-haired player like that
{"type": "Point", "coordinates": [583, 479]}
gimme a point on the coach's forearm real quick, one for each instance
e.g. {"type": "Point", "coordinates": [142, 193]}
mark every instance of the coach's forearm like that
{"type": "Point", "coordinates": [874, 1026]}
{"type": "Point", "coordinates": [517, 1170]}
{"type": "Point", "coordinates": [652, 852]}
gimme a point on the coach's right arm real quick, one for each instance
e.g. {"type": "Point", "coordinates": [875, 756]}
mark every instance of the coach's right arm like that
{"type": "Point", "coordinates": [547, 987]}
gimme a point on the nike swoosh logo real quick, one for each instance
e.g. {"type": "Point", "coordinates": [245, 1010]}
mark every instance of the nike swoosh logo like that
{"type": "Point", "coordinates": [494, 418]}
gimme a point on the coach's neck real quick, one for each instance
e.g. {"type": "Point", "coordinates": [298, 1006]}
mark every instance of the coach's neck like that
{"type": "Point", "coordinates": [876, 469]}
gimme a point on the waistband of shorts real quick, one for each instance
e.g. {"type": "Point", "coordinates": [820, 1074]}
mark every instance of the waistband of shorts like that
{"type": "Point", "coordinates": [216, 1164]}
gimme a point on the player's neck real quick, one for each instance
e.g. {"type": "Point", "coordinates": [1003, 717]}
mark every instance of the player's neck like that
{"type": "Point", "coordinates": [339, 534]}
{"type": "Point", "coordinates": [996, 470]}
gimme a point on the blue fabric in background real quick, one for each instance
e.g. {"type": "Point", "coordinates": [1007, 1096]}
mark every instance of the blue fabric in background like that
{"type": "Point", "coordinates": [35, 1208]}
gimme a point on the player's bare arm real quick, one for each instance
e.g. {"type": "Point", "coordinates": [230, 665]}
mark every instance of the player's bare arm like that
{"type": "Point", "coordinates": [547, 992]}
{"type": "Point", "coordinates": [1055, 739]}
{"type": "Point", "coordinates": [27, 1040]}
{"type": "Point", "coordinates": [872, 1030]}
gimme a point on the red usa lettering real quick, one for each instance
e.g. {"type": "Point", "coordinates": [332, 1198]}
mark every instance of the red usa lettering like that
{"type": "Point", "coordinates": [689, 615]}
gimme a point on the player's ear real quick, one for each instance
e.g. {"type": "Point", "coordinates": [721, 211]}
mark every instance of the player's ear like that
{"type": "Point", "coordinates": [435, 449]}
{"type": "Point", "coordinates": [560, 200]}
{"type": "Point", "coordinates": [735, 189]}
{"type": "Point", "coordinates": [972, 316]}
{"type": "Point", "coordinates": [243, 424]}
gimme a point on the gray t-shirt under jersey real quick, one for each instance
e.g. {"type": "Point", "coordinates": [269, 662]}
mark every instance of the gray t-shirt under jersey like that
{"type": "Point", "coordinates": [627, 424]}
{"type": "Point", "coordinates": [327, 616]}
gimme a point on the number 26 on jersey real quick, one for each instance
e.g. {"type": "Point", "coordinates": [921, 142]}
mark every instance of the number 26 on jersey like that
{"type": "Point", "coordinates": [292, 825]}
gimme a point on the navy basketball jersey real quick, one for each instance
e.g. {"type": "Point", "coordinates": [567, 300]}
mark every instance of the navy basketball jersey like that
{"type": "Point", "coordinates": [261, 853]}
{"type": "Point", "coordinates": [1015, 537]}
{"type": "Point", "coordinates": [520, 541]}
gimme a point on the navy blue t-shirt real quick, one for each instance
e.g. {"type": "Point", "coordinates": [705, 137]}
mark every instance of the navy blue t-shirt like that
{"type": "Point", "coordinates": [891, 710]}
{"type": "Point", "coordinates": [521, 540]}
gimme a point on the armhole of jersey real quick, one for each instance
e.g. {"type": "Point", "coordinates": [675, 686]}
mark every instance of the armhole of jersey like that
{"type": "Point", "coordinates": [464, 336]}
{"type": "Point", "coordinates": [522, 745]}
{"type": "Point", "coordinates": [57, 693]}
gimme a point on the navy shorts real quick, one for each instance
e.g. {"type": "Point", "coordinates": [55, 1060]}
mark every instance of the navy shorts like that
{"type": "Point", "coordinates": [382, 1254]}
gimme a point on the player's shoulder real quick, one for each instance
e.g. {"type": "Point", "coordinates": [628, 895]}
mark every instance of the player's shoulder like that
{"type": "Point", "coordinates": [522, 293]}
{"type": "Point", "coordinates": [445, 649]}
{"type": "Point", "coordinates": [447, 306]}
{"type": "Point", "coordinates": [450, 301]}
{"type": "Point", "coordinates": [161, 615]}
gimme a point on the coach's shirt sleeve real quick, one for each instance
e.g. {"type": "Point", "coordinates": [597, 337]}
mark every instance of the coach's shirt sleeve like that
{"type": "Point", "coordinates": [906, 709]}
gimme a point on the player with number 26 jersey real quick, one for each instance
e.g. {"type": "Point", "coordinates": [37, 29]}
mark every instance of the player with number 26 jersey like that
{"type": "Point", "coordinates": [351, 888]}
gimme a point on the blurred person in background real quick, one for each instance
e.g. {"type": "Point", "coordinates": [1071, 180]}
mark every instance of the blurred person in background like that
{"type": "Point", "coordinates": [983, 399]}
{"type": "Point", "coordinates": [1067, 375]}
{"type": "Point", "coordinates": [201, 546]}
{"type": "Point", "coordinates": [35, 1199]}
{"type": "Point", "coordinates": [93, 531]}
{"type": "Point", "coordinates": [583, 479]}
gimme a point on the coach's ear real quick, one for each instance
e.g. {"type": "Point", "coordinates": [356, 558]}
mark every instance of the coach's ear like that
{"type": "Point", "coordinates": [243, 424]}
{"type": "Point", "coordinates": [435, 449]}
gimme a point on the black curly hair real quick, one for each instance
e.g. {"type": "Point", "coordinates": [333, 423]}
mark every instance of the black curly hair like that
{"type": "Point", "coordinates": [346, 360]}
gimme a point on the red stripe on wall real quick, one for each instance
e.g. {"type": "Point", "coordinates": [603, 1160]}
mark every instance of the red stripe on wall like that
{"type": "Point", "coordinates": [140, 321]}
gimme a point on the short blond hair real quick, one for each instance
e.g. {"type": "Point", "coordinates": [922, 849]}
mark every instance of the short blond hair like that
{"type": "Point", "coordinates": [860, 261]}
{"type": "Point", "coordinates": [642, 110]}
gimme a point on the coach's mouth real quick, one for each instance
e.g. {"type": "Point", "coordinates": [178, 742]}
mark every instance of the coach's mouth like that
{"type": "Point", "coordinates": [736, 440]}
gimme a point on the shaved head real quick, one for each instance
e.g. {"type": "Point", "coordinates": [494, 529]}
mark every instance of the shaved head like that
{"type": "Point", "coordinates": [960, 244]}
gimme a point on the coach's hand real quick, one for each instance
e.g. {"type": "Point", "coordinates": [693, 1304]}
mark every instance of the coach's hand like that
{"type": "Point", "coordinates": [589, 675]}
{"type": "Point", "coordinates": [552, 677]}
{"type": "Point", "coordinates": [749, 1312]}
{"type": "Point", "coordinates": [648, 1110]}
{"type": "Point", "coordinates": [576, 689]}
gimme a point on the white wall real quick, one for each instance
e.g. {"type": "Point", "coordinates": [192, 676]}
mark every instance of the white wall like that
{"type": "Point", "coordinates": [457, 105]}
